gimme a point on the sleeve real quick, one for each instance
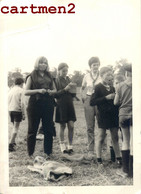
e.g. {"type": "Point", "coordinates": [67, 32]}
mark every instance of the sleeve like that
{"type": "Point", "coordinates": [59, 91]}
{"type": "Point", "coordinates": [84, 83]}
{"type": "Point", "coordinates": [117, 96]}
{"type": "Point", "coordinates": [23, 103]}
{"type": "Point", "coordinates": [118, 90]}
{"type": "Point", "coordinates": [96, 98]}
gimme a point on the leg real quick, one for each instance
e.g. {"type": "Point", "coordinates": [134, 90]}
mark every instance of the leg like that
{"type": "Point", "coordinates": [15, 131]}
{"type": "Point", "coordinates": [48, 143]}
{"type": "Point", "coordinates": [90, 122]}
{"type": "Point", "coordinates": [70, 125]}
{"type": "Point", "coordinates": [100, 139]}
{"type": "Point", "coordinates": [62, 129]}
{"type": "Point", "coordinates": [124, 124]}
{"type": "Point", "coordinates": [47, 123]}
{"type": "Point", "coordinates": [126, 138]}
{"type": "Point", "coordinates": [33, 124]}
{"type": "Point", "coordinates": [70, 131]}
{"type": "Point", "coordinates": [112, 153]}
{"type": "Point", "coordinates": [14, 135]}
{"type": "Point", "coordinates": [131, 153]}
{"type": "Point", "coordinates": [125, 149]}
{"type": "Point", "coordinates": [114, 136]}
{"type": "Point", "coordinates": [131, 140]}
{"type": "Point", "coordinates": [61, 135]}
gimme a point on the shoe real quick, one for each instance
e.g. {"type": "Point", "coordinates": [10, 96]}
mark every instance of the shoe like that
{"type": "Point", "coordinates": [49, 157]}
{"type": "Point", "coordinates": [122, 174]}
{"type": "Point", "coordinates": [31, 157]}
{"type": "Point", "coordinates": [40, 136]}
{"type": "Point", "coordinates": [11, 147]}
{"type": "Point", "coordinates": [30, 160]}
{"type": "Point", "coordinates": [63, 148]}
{"type": "Point", "coordinates": [14, 144]}
{"type": "Point", "coordinates": [69, 149]}
{"type": "Point", "coordinates": [118, 163]}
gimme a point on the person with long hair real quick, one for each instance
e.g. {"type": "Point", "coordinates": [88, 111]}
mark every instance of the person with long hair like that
{"type": "Point", "coordinates": [39, 84]}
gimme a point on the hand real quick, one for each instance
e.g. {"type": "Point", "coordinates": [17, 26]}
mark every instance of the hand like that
{"type": "Point", "coordinates": [42, 91]}
{"type": "Point", "coordinates": [67, 87]}
{"type": "Point", "coordinates": [110, 96]}
{"type": "Point", "coordinates": [51, 92]}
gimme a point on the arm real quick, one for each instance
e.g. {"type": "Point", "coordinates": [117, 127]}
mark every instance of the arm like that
{"type": "Point", "coordinates": [96, 99]}
{"type": "Point", "coordinates": [117, 96]}
{"type": "Point", "coordinates": [116, 100]}
{"type": "Point", "coordinates": [29, 91]}
{"type": "Point", "coordinates": [23, 107]}
{"type": "Point", "coordinates": [53, 91]}
{"type": "Point", "coordinates": [82, 90]}
{"type": "Point", "coordinates": [58, 93]}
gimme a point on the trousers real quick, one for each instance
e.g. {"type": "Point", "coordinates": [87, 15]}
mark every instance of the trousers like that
{"type": "Point", "coordinates": [37, 111]}
{"type": "Point", "coordinates": [90, 113]}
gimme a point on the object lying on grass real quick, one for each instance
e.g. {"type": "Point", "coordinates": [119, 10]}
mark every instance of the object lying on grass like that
{"type": "Point", "coordinates": [51, 170]}
{"type": "Point", "coordinates": [75, 158]}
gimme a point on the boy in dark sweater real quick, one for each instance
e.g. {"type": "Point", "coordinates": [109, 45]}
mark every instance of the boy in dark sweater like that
{"type": "Point", "coordinates": [107, 112]}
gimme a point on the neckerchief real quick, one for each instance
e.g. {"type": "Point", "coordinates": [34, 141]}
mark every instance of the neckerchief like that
{"type": "Point", "coordinates": [94, 79]}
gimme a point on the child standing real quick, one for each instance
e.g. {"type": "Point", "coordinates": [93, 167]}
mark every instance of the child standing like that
{"type": "Point", "coordinates": [16, 109]}
{"type": "Point", "coordinates": [65, 112]}
{"type": "Point", "coordinates": [89, 81]}
{"type": "Point", "coordinates": [107, 113]}
{"type": "Point", "coordinates": [123, 98]}
{"type": "Point", "coordinates": [117, 79]}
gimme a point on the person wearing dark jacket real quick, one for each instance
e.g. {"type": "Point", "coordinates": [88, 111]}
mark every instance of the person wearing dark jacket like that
{"type": "Point", "coordinates": [40, 106]}
{"type": "Point", "coordinates": [107, 112]}
{"type": "Point", "coordinates": [65, 112]}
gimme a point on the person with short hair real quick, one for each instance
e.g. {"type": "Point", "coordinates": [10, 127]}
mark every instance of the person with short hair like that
{"type": "Point", "coordinates": [65, 112]}
{"type": "Point", "coordinates": [118, 79]}
{"type": "Point", "coordinates": [107, 113]}
{"type": "Point", "coordinates": [88, 84]}
{"type": "Point", "coordinates": [123, 99]}
{"type": "Point", "coordinates": [39, 85]}
{"type": "Point", "coordinates": [16, 109]}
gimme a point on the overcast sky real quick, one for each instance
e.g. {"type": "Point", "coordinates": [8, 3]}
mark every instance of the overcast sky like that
{"type": "Point", "coordinates": [108, 29]}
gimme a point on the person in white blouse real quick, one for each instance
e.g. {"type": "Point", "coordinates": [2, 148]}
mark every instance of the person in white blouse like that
{"type": "Point", "coordinates": [89, 81]}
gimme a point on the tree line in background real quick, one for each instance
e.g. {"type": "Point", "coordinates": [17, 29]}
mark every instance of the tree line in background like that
{"type": "Point", "coordinates": [76, 77]}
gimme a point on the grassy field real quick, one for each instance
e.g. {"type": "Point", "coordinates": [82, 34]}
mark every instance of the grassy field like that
{"type": "Point", "coordinates": [83, 174]}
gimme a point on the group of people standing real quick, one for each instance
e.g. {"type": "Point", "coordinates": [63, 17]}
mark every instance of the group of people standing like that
{"type": "Point", "coordinates": [105, 100]}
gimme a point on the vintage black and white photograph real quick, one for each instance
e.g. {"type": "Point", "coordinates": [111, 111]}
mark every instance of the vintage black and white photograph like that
{"type": "Point", "coordinates": [71, 72]}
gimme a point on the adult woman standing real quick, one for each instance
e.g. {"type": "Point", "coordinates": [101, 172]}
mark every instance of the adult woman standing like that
{"type": "Point", "coordinates": [88, 83]}
{"type": "Point", "coordinates": [65, 113]}
{"type": "Point", "coordinates": [40, 105]}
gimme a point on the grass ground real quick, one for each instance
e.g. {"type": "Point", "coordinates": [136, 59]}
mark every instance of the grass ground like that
{"type": "Point", "coordinates": [83, 174]}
